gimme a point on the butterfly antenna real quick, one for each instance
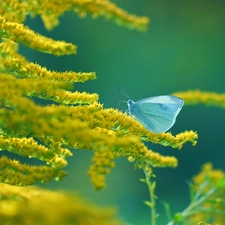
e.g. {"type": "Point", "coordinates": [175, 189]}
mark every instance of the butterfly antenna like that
{"type": "Point", "coordinates": [123, 92]}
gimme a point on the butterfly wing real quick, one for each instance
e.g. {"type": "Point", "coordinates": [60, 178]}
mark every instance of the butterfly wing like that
{"type": "Point", "coordinates": [157, 114]}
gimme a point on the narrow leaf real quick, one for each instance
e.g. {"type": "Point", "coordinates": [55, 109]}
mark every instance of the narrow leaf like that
{"type": "Point", "coordinates": [148, 203]}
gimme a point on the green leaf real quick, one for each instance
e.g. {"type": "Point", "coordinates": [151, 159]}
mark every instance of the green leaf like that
{"type": "Point", "coordinates": [191, 190]}
{"type": "Point", "coordinates": [153, 185]}
{"type": "Point", "coordinates": [148, 203]}
{"type": "Point", "coordinates": [143, 180]}
{"type": "Point", "coordinates": [167, 209]}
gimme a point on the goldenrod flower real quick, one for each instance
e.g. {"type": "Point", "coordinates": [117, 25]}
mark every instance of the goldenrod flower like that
{"type": "Point", "coordinates": [32, 205]}
{"type": "Point", "coordinates": [50, 11]}
{"type": "Point", "coordinates": [209, 185]}
{"type": "Point", "coordinates": [19, 33]}
{"type": "Point", "coordinates": [202, 97]}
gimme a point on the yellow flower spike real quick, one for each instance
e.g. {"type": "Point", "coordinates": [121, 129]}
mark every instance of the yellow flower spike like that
{"type": "Point", "coordinates": [156, 160]}
{"type": "Point", "coordinates": [24, 69]}
{"type": "Point", "coordinates": [13, 172]}
{"type": "Point", "coordinates": [167, 139]}
{"type": "Point", "coordinates": [111, 11]}
{"type": "Point", "coordinates": [201, 97]}
{"type": "Point", "coordinates": [25, 147]}
{"type": "Point", "coordinates": [50, 11]}
{"type": "Point", "coordinates": [19, 33]}
{"type": "Point", "coordinates": [124, 124]}
{"type": "Point", "coordinates": [12, 84]}
{"type": "Point", "coordinates": [67, 97]}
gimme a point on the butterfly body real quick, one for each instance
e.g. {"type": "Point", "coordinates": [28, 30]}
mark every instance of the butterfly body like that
{"type": "Point", "coordinates": [156, 114]}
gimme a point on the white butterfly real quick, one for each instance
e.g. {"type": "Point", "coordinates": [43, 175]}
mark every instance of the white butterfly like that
{"type": "Point", "coordinates": [157, 114]}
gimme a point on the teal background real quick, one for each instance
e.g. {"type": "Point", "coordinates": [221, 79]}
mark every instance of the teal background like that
{"type": "Point", "coordinates": [183, 49]}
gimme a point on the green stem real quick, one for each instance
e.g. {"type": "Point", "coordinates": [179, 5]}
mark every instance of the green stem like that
{"type": "Point", "coordinates": [151, 194]}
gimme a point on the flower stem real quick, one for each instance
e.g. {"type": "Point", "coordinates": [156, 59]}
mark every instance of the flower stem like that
{"type": "Point", "coordinates": [151, 189]}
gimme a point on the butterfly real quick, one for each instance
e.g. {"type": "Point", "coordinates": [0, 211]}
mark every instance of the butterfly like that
{"type": "Point", "coordinates": [157, 114]}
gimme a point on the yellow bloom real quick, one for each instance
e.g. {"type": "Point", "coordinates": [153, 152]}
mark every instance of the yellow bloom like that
{"type": "Point", "coordinates": [209, 184]}
{"type": "Point", "coordinates": [16, 173]}
{"type": "Point", "coordinates": [32, 205]}
{"type": "Point", "coordinates": [22, 68]}
{"type": "Point", "coordinates": [50, 11]}
{"type": "Point", "coordinates": [208, 172]}
{"type": "Point", "coordinates": [201, 97]}
{"type": "Point", "coordinates": [19, 33]}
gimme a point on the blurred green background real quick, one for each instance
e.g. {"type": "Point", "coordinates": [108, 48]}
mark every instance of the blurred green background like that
{"type": "Point", "coordinates": [183, 49]}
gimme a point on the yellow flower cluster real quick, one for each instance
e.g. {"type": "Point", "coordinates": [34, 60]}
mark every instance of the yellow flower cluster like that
{"type": "Point", "coordinates": [50, 11]}
{"type": "Point", "coordinates": [43, 77]}
{"type": "Point", "coordinates": [20, 80]}
{"type": "Point", "coordinates": [21, 34]}
{"type": "Point", "coordinates": [32, 205]}
{"type": "Point", "coordinates": [30, 148]}
{"type": "Point", "coordinates": [208, 173]}
{"type": "Point", "coordinates": [22, 68]}
{"type": "Point", "coordinates": [212, 183]}
{"type": "Point", "coordinates": [15, 173]}
{"type": "Point", "coordinates": [201, 97]}
{"type": "Point", "coordinates": [123, 124]}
